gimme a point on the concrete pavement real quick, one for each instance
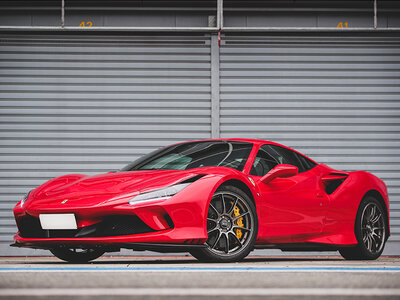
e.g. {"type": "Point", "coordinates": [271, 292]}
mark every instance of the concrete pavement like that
{"type": "Point", "coordinates": [171, 277]}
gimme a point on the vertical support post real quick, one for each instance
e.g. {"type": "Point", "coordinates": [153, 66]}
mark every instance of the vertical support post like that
{"type": "Point", "coordinates": [62, 13]}
{"type": "Point", "coordinates": [375, 14]}
{"type": "Point", "coordinates": [220, 14]}
{"type": "Point", "coordinates": [215, 88]}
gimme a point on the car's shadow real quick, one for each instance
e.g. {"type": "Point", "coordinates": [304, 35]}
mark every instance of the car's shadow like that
{"type": "Point", "coordinates": [168, 260]}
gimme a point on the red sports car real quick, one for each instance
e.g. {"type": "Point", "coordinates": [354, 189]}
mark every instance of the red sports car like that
{"type": "Point", "coordinates": [217, 199]}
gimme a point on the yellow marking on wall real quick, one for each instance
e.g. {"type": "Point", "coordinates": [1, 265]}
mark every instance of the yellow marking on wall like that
{"type": "Point", "coordinates": [86, 24]}
{"type": "Point", "coordinates": [340, 25]}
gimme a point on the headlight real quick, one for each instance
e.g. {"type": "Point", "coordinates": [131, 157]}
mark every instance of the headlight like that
{"type": "Point", "coordinates": [24, 199]}
{"type": "Point", "coordinates": [161, 194]}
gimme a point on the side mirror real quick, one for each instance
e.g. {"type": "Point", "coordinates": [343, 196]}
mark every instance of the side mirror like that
{"type": "Point", "coordinates": [280, 171]}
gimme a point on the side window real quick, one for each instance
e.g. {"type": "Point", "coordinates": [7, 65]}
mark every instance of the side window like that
{"type": "Point", "coordinates": [308, 164]}
{"type": "Point", "coordinates": [270, 155]}
{"type": "Point", "coordinates": [263, 162]}
{"type": "Point", "coordinates": [289, 157]}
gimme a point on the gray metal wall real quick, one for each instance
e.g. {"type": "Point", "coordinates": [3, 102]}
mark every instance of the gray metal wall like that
{"type": "Point", "coordinates": [334, 98]}
{"type": "Point", "coordinates": [88, 103]}
{"type": "Point", "coordinates": [195, 13]}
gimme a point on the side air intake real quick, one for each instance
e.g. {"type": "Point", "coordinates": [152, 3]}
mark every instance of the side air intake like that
{"type": "Point", "coordinates": [332, 181]}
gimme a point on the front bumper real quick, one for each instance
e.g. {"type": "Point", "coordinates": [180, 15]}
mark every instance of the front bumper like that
{"type": "Point", "coordinates": [119, 226]}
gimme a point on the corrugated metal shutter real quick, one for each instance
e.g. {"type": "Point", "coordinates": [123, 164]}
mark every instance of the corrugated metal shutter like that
{"type": "Point", "coordinates": [91, 103]}
{"type": "Point", "coordinates": [335, 98]}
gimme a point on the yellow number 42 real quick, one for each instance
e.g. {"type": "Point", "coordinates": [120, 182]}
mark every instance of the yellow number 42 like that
{"type": "Point", "coordinates": [86, 24]}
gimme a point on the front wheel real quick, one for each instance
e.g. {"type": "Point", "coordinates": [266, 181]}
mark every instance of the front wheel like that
{"type": "Point", "coordinates": [231, 226]}
{"type": "Point", "coordinates": [74, 255]}
{"type": "Point", "coordinates": [371, 231]}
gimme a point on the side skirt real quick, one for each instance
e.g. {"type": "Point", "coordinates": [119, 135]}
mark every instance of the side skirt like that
{"type": "Point", "coordinates": [300, 247]}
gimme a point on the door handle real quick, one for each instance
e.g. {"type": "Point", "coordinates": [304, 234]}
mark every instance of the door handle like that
{"type": "Point", "coordinates": [320, 195]}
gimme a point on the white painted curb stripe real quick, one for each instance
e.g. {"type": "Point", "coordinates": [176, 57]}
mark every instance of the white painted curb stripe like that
{"type": "Point", "coordinates": [199, 292]}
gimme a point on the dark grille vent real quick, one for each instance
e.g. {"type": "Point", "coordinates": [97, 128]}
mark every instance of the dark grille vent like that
{"type": "Point", "coordinates": [29, 227]}
{"type": "Point", "coordinates": [120, 225]}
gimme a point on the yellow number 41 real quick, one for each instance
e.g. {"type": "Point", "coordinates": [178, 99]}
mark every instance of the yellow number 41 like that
{"type": "Point", "coordinates": [86, 24]}
{"type": "Point", "coordinates": [340, 25]}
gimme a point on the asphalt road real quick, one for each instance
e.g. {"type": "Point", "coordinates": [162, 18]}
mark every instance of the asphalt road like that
{"type": "Point", "coordinates": [182, 277]}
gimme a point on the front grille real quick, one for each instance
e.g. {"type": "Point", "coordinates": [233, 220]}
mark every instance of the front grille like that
{"type": "Point", "coordinates": [117, 225]}
{"type": "Point", "coordinates": [29, 227]}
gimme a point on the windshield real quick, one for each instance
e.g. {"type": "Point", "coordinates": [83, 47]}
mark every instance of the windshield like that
{"type": "Point", "coordinates": [191, 155]}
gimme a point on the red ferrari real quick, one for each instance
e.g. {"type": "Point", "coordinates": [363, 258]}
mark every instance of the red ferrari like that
{"type": "Point", "coordinates": [217, 199]}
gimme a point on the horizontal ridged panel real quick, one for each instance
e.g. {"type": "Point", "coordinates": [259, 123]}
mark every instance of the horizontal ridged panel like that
{"type": "Point", "coordinates": [335, 99]}
{"type": "Point", "coordinates": [89, 105]}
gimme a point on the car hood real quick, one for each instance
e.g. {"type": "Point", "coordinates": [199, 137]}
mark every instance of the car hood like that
{"type": "Point", "coordinates": [103, 188]}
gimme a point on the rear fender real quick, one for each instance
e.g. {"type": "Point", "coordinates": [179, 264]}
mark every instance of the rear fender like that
{"type": "Point", "coordinates": [344, 202]}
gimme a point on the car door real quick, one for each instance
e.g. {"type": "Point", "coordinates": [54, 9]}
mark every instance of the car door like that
{"type": "Point", "coordinates": [293, 208]}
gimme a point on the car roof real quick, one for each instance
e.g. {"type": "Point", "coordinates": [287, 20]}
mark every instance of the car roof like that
{"type": "Point", "coordinates": [255, 142]}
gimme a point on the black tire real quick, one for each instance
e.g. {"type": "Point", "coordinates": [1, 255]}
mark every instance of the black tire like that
{"type": "Point", "coordinates": [232, 227]}
{"type": "Point", "coordinates": [371, 229]}
{"type": "Point", "coordinates": [73, 255]}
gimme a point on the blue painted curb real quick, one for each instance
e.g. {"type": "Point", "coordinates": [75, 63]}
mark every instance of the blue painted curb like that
{"type": "Point", "coordinates": [199, 269]}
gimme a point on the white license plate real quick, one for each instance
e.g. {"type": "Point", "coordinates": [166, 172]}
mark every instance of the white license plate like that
{"type": "Point", "coordinates": [58, 221]}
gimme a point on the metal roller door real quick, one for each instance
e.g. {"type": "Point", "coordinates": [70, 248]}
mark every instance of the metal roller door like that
{"type": "Point", "coordinates": [335, 98]}
{"type": "Point", "coordinates": [90, 103]}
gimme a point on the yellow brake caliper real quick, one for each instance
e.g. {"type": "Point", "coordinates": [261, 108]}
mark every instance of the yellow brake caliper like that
{"type": "Point", "coordinates": [238, 222]}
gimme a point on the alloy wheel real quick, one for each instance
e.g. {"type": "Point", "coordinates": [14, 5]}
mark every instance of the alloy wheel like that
{"type": "Point", "coordinates": [230, 223]}
{"type": "Point", "coordinates": [373, 228]}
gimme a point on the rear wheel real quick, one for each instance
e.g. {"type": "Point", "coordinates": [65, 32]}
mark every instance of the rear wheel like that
{"type": "Point", "coordinates": [75, 255]}
{"type": "Point", "coordinates": [370, 230]}
{"type": "Point", "coordinates": [231, 226]}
